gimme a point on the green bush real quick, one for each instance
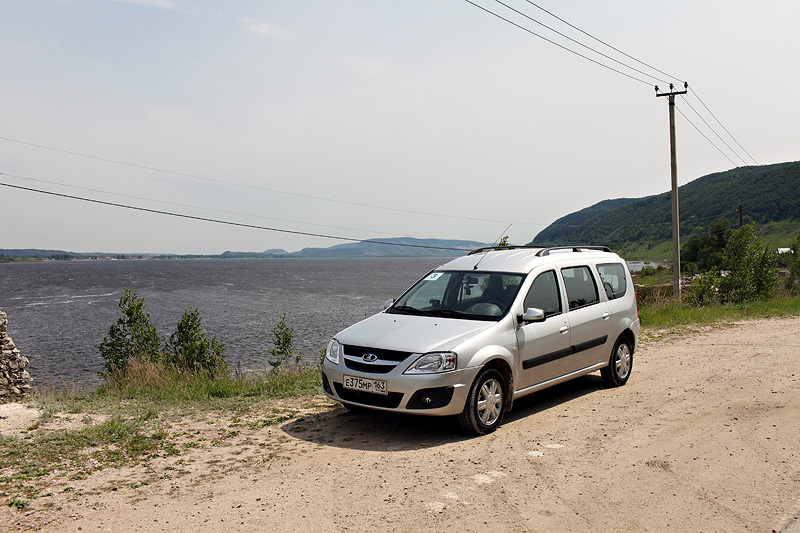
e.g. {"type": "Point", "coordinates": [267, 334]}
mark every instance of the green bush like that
{"type": "Point", "coordinates": [753, 269]}
{"type": "Point", "coordinates": [131, 336]}
{"type": "Point", "coordinates": [283, 340]}
{"type": "Point", "coordinates": [792, 260]}
{"type": "Point", "coordinates": [191, 350]}
{"type": "Point", "coordinates": [705, 290]}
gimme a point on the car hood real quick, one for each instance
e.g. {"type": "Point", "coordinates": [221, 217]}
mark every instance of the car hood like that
{"type": "Point", "coordinates": [411, 333]}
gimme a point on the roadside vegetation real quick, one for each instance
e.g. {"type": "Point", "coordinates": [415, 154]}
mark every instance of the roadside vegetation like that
{"type": "Point", "coordinates": [151, 383]}
{"type": "Point", "coordinates": [734, 275]}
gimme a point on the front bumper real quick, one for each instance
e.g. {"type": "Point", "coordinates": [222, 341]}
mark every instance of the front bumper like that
{"type": "Point", "coordinates": [429, 394]}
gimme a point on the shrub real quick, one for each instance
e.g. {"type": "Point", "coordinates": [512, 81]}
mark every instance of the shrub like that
{"type": "Point", "coordinates": [283, 339]}
{"type": "Point", "coordinates": [705, 289]}
{"type": "Point", "coordinates": [191, 350]}
{"type": "Point", "coordinates": [753, 270]}
{"type": "Point", "coordinates": [132, 336]}
{"type": "Point", "coordinates": [792, 260]}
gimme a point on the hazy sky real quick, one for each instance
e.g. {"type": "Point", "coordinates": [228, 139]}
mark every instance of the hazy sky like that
{"type": "Point", "coordinates": [366, 118]}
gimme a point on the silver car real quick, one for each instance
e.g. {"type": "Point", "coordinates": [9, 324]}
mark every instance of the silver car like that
{"type": "Point", "coordinates": [484, 329]}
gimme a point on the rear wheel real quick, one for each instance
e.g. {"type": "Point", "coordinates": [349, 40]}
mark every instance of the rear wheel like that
{"type": "Point", "coordinates": [620, 364]}
{"type": "Point", "coordinates": [486, 403]}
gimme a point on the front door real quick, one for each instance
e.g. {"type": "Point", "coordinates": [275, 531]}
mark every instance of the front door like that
{"type": "Point", "coordinates": [544, 346]}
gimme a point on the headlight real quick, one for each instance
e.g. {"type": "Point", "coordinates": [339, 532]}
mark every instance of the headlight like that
{"type": "Point", "coordinates": [332, 353]}
{"type": "Point", "coordinates": [431, 363]}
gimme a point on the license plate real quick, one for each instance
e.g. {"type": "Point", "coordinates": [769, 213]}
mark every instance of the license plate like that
{"type": "Point", "coordinates": [376, 386]}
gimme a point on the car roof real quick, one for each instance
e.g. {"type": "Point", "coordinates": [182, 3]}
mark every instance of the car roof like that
{"type": "Point", "coordinates": [523, 259]}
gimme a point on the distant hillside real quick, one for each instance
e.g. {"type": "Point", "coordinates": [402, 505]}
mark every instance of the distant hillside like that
{"type": "Point", "coordinates": [769, 196]}
{"type": "Point", "coordinates": [399, 247]}
{"type": "Point", "coordinates": [395, 247]}
{"type": "Point", "coordinates": [31, 252]}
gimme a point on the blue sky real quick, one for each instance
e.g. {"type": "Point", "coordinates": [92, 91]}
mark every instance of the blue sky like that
{"type": "Point", "coordinates": [300, 115]}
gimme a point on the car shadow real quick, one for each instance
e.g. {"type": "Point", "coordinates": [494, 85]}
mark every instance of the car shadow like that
{"type": "Point", "coordinates": [393, 432]}
{"type": "Point", "coordinates": [555, 396]}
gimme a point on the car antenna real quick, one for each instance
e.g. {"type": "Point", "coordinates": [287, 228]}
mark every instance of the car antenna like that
{"type": "Point", "coordinates": [493, 244]}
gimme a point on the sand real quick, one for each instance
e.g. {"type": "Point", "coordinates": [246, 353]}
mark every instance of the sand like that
{"type": "Point", "coordinates": [704, 437]}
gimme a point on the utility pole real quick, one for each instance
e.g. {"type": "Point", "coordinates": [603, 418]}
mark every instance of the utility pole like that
{"type": "Point", "coordinates": [676, 227]}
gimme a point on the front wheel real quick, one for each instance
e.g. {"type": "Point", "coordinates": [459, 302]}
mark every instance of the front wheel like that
{"type": "Point", "coordinates": [486, 403]}
{"type": "Point", "coordinates": [619, 365]}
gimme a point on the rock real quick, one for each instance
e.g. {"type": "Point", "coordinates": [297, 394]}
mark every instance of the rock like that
{"type": "Point", "coordinates": [15, 382]}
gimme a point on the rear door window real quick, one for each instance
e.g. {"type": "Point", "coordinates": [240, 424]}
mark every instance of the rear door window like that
{"type": "Point", "coordinates": [581, 287]}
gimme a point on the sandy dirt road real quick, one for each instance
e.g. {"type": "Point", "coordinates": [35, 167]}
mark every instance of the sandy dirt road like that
{"type": "Point", "coordinates": [704, 437]}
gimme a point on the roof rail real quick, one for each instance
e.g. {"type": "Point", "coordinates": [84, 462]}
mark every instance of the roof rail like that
{"type": "Point", "coordinates": [546, 251]}
{"type": "Point", "coordinates": [508, 247]}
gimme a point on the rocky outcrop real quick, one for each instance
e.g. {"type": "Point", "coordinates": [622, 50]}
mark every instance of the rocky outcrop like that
{"type": "Point", "coordinates": [15, 382]}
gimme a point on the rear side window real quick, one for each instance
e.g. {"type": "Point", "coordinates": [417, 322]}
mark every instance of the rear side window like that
{"type": "Point", "coordinates": [544, 294]}
{"type": "Point", "coordinates": [581, 287]}
{"type": "Point", "coordinates": [614, 280]}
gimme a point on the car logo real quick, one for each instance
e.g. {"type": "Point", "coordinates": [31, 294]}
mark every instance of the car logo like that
{"type": "Point", "coordinates": [369, 357]}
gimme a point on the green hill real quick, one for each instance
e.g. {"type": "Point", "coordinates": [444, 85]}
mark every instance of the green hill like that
{"type": "Point", "coordinates": [642, 228]}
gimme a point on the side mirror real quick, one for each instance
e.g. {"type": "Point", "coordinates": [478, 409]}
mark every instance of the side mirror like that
{"type": "Point", "coordinates": [532, 314]}
{"type": "Point", "coordinates": [388, 303]}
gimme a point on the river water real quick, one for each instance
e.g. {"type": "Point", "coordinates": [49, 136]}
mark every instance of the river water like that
{"type": "Point", "coordinates": [59, 311]}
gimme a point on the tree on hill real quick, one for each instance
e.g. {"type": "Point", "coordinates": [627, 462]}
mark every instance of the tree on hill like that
{"type": "Point", "coordinates": [767, 194]}
{"type": "Point", "coordinates": [704, 251]}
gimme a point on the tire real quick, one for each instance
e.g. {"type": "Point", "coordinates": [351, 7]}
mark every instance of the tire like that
{"type": "Point", "coordinates": [620, 364]}
{"type": "Point", "coordinates": [486, 403]}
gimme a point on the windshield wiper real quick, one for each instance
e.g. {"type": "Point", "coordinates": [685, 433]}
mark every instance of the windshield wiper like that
{"type": "Point", "coordinates": [410, 310]}
{"type": "Point", "coordinates": [449, 312]}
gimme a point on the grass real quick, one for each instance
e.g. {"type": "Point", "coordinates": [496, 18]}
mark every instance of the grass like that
{"type": "Point", "coordinates": [162, 383]}
{"type": "Point", "coordinates": [136, 407]}
{"type": "Point", "coordinates": [665, 313]}
{"type": "Point", "coordinates": [650, 276]}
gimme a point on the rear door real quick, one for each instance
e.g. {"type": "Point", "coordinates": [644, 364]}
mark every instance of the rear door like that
{"type": "Point", "coordinates": [588, 318]}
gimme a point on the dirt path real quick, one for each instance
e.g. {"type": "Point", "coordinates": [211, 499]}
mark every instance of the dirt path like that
{"type": "Point", "coordinates": [704, 437]}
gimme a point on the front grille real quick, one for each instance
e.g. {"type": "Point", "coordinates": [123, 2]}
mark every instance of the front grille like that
{"type": "Point", "coordinates": [386, 360]}
{"type": "Point", "coordinates": [385, 355]}
{"type": "Point", "coordinates": [391, 400]}
{"type": "Point", "coordinates": [373, 368]}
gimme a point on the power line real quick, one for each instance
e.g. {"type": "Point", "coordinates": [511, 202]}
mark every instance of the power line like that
{"type": "Point", "coordinates": [593, 225]}
{"type": "Point", "coordinates": [267, 189]}
{"type": "Point", "coordinates": [226, 222]}
{"type": "Point", "coordinates": [603, 42]}
{"type": "Point", "coordinates": [205, 208]}
{"type": "Point", "coordinates": [694, 92]}
{"type": "Point", "coordinates": [661, 72]}
{"type": "Point", "coordinates": [523, 28]}
{"type": "Point", "coordinates": [715, 131]}
{"type": "Point", "coordinates": [136, 165]}
{"type": "Point", "coordinates": [580, 43]}
{"type": "Point", "coordinates": [705, 136]}
{"type": "Point", "coordinates": [611, 59]}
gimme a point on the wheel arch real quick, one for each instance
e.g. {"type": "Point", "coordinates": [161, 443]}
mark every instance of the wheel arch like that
{"type": "Point", "coordinates": [504, 368]}
{"type": "Point", "coordinates": [628, 334]}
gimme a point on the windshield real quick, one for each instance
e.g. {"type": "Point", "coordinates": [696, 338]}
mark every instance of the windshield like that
{"type": "Point", "coordinates": [471, 295]}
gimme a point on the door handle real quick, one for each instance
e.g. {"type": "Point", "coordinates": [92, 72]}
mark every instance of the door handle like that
{"type": "Point", "coordinates": [564, 329]}
{"type": "Point", "coordinates": [605, 316]}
